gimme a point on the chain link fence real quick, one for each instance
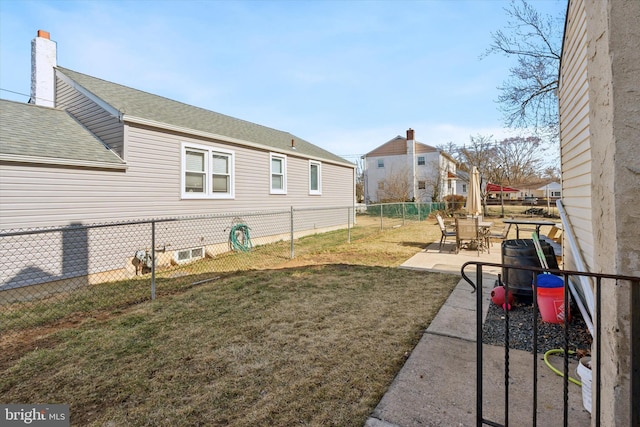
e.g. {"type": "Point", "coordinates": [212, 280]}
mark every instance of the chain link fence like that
{"type": "Point", "coordinates": [50, 274]}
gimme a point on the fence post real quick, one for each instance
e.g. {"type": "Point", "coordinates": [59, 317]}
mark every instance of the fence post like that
{"type": "Point", "coordinates": [291, 254]}
{"type": "Point", "coordinates": [381, 209]}
{"type": "Point", "coordinates": [153, 260]}
{"type": "Point", "coordinates": [404, 204]}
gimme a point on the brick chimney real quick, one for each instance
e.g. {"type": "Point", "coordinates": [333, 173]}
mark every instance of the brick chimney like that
{"type": "Point", "coordinates": [43, 61]}
{"type": "Point", "coordinates": [410, 136]}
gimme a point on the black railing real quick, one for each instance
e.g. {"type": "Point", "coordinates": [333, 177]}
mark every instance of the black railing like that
{"type": "Point", "coordinates": [634, 344]}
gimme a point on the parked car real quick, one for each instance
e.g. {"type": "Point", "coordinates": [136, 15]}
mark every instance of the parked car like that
{"type": "Point", "coordinates": [530, 201]}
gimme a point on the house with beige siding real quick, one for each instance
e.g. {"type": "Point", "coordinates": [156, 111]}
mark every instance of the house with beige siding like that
{"type": "Point", "coordinates": [599, 103]}
{"type": "Point", "coordinates": [404, 169]}
{"type": "Point", "coordinates": [86, 150]}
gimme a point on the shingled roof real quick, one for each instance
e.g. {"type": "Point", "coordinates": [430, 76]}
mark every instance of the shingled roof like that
{"type": "Point", "coordinates": [133, 103]}
{"type": "Point", "coordinates": [33, 133]}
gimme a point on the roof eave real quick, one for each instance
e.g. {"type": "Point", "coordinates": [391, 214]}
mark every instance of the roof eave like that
{"type": "Point", "coordinates": [17, 158]}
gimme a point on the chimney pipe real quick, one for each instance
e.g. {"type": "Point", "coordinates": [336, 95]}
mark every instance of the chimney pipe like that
{"type": "Point", "coordinates": [410, 135]}
{"type": "Point", "coordinates": [43, 62]}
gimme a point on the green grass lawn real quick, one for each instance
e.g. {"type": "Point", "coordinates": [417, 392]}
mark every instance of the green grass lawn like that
{"type": "Point", "coordinates": [314, 342]}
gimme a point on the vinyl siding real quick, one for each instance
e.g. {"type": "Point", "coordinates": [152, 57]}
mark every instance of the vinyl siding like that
{"type": "Point", "coordinates": [105, 126]}
{"type": "Point", "coordinates": [574, 133]}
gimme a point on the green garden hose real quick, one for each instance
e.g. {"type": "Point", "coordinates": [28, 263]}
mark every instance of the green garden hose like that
{"type": "Point", "coordinates": [239, 239]}
{"type": "Point", "coordinates": [559, 350]}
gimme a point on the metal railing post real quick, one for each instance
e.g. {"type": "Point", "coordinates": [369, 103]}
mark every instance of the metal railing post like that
{"type": "Point", "coordinates": [479, 333]}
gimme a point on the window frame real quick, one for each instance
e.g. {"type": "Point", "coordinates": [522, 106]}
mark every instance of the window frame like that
{"type": "Point", "coordinates": [380, 163]}
{"type": "Point", "coordinates": [316, 191]}
{"type": "Point", "coordinates": [283, 159]}
{"type": "Point", "coordinates": [209, 151]}
{"type": "Point", "coordinates": [422, 160]}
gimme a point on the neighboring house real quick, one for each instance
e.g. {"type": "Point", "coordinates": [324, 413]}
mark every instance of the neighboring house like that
{"type": "Point", "coordinates": [93, 151]}
{"type": "Point", "coordinates": [462, 183]}
{"type": "Point", "coordinates": [552, 190]}
{"type": "Point", "coordinates": [404, 169]}
{"type": "Point", "coordinates": [599, 103]}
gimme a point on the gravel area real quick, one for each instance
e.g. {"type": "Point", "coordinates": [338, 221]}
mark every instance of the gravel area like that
{"type": "Point", "coordinates": [550, 335]}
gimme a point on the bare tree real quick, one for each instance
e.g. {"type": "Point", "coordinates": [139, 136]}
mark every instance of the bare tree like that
{"type": "Point", "coordinates": [450, 148]}
{"type": "Point", "coordinates": [479, 153]}
{"type": "Point", "coordinates": [359, 179]}
{"type": "Point", "coordinates": [551, 173]}
{"type": "Point", "coordinates": [397, 186]}
{"type": "Point", "coordinates": [529, 96]}
{"type": "Point", "coordinates": [517, 160]}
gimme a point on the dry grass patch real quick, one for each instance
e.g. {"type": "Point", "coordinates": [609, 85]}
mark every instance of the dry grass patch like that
{"type": "Point", "coordinates": [312, 345]}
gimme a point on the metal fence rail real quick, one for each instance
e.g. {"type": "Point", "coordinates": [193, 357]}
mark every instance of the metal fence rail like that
{"type": "Point", "coordinates": [51, 273]}
{"type": "Point", "coordinates": [600, 281]}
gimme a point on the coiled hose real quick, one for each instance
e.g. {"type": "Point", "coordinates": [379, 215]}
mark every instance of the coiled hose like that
{"type": "Point", "coordinates": [239, 238]}
{"type": "Point", "coordinates": [554, 351]}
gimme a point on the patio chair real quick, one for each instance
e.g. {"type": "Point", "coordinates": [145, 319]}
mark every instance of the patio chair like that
{"type": "Point", "coordinates": [445, 233]}
{"type": "Point", "coordinates": [467, 231]}
{"type": "Point", "coordinates": [499, 235]}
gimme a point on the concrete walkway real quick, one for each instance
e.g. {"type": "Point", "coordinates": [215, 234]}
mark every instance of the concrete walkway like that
{"type": "Point", "coordinates": [437, 385]}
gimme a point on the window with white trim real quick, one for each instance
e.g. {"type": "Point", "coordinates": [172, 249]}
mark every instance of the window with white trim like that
{"type": "Point", "coordinates": [207, 172]}
{"type": "Point", "coordinates": [315, 177]}
{"type": "Point", "coordinates": [422, 185]}
{"type": "Point", "coordinates": [278, 174]}
{"type": "Point", "coordinates": [380, 163]}
{"type": "Point", "coordinates": [421, 161]}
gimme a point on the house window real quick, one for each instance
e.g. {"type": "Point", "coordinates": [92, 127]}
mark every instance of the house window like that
{"type": "Point", "coordinates": [278, 174]}
{"type": "Point", "coordinates": [380, 163]}
{"type": "Point", "coordinates": [207, 172]}
{"type": "Point", "coordinates": [421, 161]}
{"type": "Point", "coordinates": [422, 185]}
{"type": "Point", "coordinates": [464, 188]}
{"type": "Point", "coordinates": [315, 177]}
{"type": "Point", "coordinates": [555, 194]}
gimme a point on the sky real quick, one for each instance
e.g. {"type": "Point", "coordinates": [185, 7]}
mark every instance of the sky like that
{"type": "Point", "coordinates": [347, 76]}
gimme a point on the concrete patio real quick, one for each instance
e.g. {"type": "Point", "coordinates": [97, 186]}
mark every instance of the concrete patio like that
{"type": "Point", "coordinates": [437, 385]}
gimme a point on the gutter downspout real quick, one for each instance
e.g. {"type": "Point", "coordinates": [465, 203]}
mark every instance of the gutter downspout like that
{"type": "Point", "coordinates": [585, 284]}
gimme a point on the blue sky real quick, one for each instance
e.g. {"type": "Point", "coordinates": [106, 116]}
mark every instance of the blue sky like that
{"type": "Point", "coordinates": [344, 75]}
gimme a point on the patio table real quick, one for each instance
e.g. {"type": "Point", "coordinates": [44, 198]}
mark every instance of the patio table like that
{"type": "Point", "coordinates": [536, 222]}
